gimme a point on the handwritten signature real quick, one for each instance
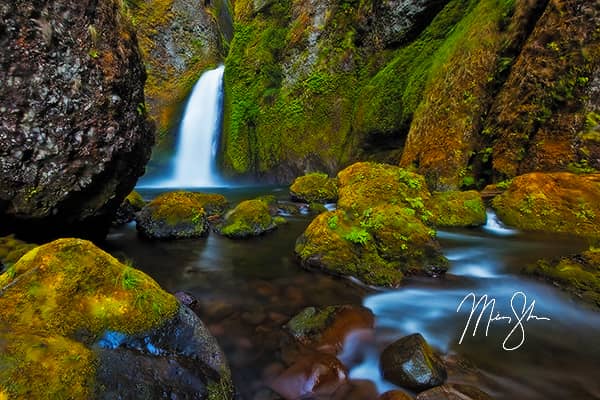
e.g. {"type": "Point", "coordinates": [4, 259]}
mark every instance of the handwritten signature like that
{"type": "Point", "coordinates": [522, 311]}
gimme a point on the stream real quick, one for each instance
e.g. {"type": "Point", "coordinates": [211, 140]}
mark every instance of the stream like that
{"type": "Point", "coordinates": [250, 288]}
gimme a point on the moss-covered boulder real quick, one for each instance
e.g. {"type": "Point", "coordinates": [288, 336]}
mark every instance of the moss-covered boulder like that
{"type": "Point", "coordinates": [175, 215]}
{"type": "Point", "coordinates": [316, 187]}
{"type": "Point", "coordinates": [11, 249]}
{"type": "Point", "coordinates": [552, 202]}
{"type": "Point", "coordinates": [378, 233]}
{"type": "Point", "coordinates": [366, 184]}
{"type": "Point", "coordinates": [378, 248]}
{"type": "Point", "coordinates": [133, 203]}
{"type": "Point", "coordinates": [249, 218]}
{"type": "Point", "coordinates": [457, 209]}
{"type": "Point", "coordinates": [67, 303]}
{"type": "Point", "coordinates": [578, 274]}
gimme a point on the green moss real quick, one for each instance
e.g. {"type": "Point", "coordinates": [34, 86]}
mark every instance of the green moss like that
{"type": "Point", "coordinates": [177, 215]}
{"type": "Point", "coordinates": [315, 187]}
{"type": "Point", "coordinates": [11, 249]}
{"type": "Point", "coordinates": [457, 209]}
{"type": "Point", "coordinates": [63, 290]}
{"type": "Point", "coordinates": [136, 200]}
{"type": "Point", "coordinates": [249, 218]}
{"type": "Point", "coordinates": [579, 274]}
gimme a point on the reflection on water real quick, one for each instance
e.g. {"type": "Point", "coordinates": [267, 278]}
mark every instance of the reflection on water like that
{"type": "Point", "coordinates": [250, 288]}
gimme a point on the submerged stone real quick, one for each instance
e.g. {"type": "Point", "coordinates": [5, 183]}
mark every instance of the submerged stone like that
{"type": "Point", "coordinates": [327, 329]}
{"type": "Point", "coordinates": [454, 392]}
{"type": "Point", "coordinates": [411, 363]}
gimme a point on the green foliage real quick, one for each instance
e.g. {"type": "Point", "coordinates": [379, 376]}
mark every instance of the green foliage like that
{"type": "Point", "coordinates": [358, 236]}
{"type": "Point", "coordinates": [332, 222]}
{"type": "Point", "coordinates": [129, 278]}
{"type": "Point", "coordinates": [581, 167]}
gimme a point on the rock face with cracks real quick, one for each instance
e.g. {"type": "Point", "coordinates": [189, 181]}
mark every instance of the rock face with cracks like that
{"type": "Point", "coordinates": [74, 136]}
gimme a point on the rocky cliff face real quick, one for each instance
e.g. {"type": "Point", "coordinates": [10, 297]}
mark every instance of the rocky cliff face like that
{"type": "Point", "coordinates": [74, 136]}
{"type": "Point", "coordinates": [179, 39]}
{"type": "Point", "coordinates": [465, 91]}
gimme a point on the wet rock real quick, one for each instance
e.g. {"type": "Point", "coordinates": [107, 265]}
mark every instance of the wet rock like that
{"type": "Point", "coordinates": [457, 209]}
{"type": "Point", "coordinates": [12, 249]}
{"type": "Point", "coordinates": [395, 395]}
{"type": "Point", "coordinates": [74, 136]}
{"type": "Point", "coordinates": [249, 218]}
{"type": "Point", "coordinates": [327, 329]}
{"type": "Point", "coordinates": [98, 328]}
{"type": "Point", "coordinates": [411, 363]}
{"type": "Point", "coordinates": [176, 215]}
{"type": "Point", "coordinates": [397, 21]}
{"type": "Point", "coordinates": [378, 233]}
{"type": "Point", "coordinates": [454, 392]}
{"type": "Point", "coordinates": [127, 210]}
{"type": "Point", "coordinates": [356, 390]}
{"type": "Point", "coordinates": [578, 274]}
{"type": "Point", "coordinates": [311, 375]}
{"type": "Point", "coordinates": [314, 188]}
{"type": "Point", "coordinates": [179, 39]}
{"type": "Point", "coordinates": [552, 202]}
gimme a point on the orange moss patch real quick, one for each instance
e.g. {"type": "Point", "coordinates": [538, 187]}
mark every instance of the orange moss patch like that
{"type": "Point", "coordinates": [553, 202]}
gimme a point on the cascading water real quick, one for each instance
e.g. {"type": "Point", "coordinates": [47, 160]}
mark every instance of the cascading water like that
{"type": "Point", "coordinates": [195, 157]}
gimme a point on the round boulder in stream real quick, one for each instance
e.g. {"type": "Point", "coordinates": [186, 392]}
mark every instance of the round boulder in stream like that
{"type": "Point", "coordinates": [249, 218]}
{"type": "Point", "coordinates": [81, 325]}
{"type": "Point", "coordinates": [316, 187]}
{"type": "Point", "coordinates": [179, 215]}
{"type": "Point", "coordinates": [411, 363]}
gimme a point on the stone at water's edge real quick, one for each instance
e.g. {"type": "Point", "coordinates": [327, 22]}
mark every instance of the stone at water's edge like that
{"type": "Point", "coordinates": [79, 324]}
{"type": "Point", "coordinates": [127, 210]}
{"type": "Point", "coordinates": [578, 274]}
{"type": "Point", "coordinates": [411, 363]}
{"type": "Point", "coordinates": [379, 232]}
{"type": "Point", "coordinates": [395, 395]}
{"type": "Point", "coordinates": [250, 218]}
{"type": "Point", "coordinates": [552, 202]}
{"type": "Point", "coordinates": [178, 215]}
{"type": "Point", "coordinates": [74, 136]}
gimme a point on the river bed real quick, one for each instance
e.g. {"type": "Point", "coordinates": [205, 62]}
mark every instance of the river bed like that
{"type": "Point", "coordinates": [249, 288]}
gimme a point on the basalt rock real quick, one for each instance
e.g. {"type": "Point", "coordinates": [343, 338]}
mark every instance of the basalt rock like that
{"type": "Point", "coordinates": [411, 363]}
{"type": "Point", "coordinates": [454, 392]}
{"type": "Point", "coordinates": [74, 136]}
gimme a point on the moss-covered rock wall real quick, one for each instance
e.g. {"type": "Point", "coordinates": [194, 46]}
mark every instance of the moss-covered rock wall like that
{"type": "Point", "coordinates": [437, 85]}
{"type": "Point", "coordinates": [179, 40]}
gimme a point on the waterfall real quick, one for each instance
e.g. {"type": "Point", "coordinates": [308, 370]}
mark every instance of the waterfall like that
{"type": "Point", "coordinates": [194, 163]}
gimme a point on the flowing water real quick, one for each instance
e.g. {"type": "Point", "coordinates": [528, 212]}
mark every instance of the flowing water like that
{"type": "Point", "coordinates": [250, 288]}
{"type": "Point", "coordinates": [194, 163]}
